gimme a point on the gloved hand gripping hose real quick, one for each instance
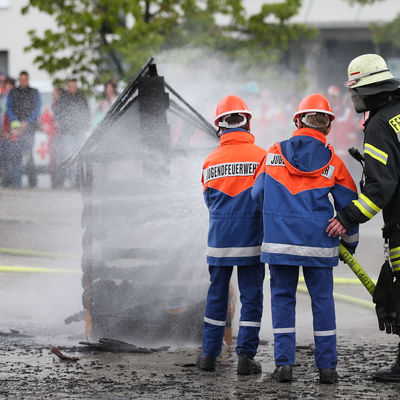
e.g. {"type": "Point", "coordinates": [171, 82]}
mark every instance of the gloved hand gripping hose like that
{"type": "Point", "coordinates": [387, 299]}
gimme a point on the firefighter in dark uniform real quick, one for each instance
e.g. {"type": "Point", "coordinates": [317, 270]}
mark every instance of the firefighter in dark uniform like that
{"type": "Point", "coordinates": [374, 89]}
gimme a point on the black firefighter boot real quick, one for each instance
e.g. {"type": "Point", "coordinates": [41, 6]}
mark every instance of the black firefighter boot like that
{"type": "Point", "coordinates": [206, 363]}
{"type": "Point", "coordinates": [247, 365]}
{"type": "Point", "coordinates": [391, 374]}
{"type": "Point", "coordinates": [328, 375]}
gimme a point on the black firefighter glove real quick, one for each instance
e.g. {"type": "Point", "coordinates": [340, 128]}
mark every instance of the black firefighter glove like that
{"type": "Point", "coordinates": [388, 321]}
{"type": "Point", "coordinates": [395, 305]}
{"type": "Point", "coordinates": [387, 300]}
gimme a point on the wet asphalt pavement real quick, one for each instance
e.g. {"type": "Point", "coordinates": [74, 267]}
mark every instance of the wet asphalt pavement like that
{"type": "Point", "coordinates": [35, 305]}
{"type": "Point", "coordinates": [30, 371]}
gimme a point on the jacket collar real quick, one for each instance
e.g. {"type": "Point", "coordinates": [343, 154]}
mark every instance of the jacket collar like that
{"type": "Point", "coordinates": [312, 133]}
{"type": "Point", "coordinates": [237, 135]}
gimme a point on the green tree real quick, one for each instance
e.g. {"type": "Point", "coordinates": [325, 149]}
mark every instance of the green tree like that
{"type": "Point", "coordinates": [103, 38]}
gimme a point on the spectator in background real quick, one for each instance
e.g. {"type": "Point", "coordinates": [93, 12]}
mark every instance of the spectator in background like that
{"type": "Point", "coordinates": [344, 130]}
{"type": "Point", "coordinates": [5, 133]}
{"type": "Point", "coordinates": [48, 126]}
{"type": "Point", "coordinates": [3, 96]}
{"type": "Point", "coordinates": [72, 119]}
{"type": "Point", "coordinates": [109, 95]}
{"type": "Point", "coordinates": [9, 84]}
{"type": "Point", "coordinates": [3, 78]}
{"type": "Point", "coordinates": [107, 99]}
{"type": "Point", "coordinates": [23, 111]}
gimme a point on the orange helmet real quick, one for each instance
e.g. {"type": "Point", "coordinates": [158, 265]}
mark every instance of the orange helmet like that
{"type": "Point", "coordinates": [231, 105]}
{"type": "Point", "coordinates": [312, 104]}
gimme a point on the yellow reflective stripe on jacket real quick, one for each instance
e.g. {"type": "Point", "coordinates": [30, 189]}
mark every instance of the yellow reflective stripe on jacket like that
{"type": "Point", "coordinates": [395, 256]}
{"type": "Point", "coordinates": [395, 250]}
{"type": "Point", "coordinates": [366, 206]}
{"type": "Point", "coordinates": [375, 153]}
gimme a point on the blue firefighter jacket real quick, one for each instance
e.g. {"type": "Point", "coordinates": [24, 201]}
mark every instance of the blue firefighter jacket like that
{"type": "Point", "coordinates": [293, 187]}
{"type": "Point", "coordinates": [235, 226]}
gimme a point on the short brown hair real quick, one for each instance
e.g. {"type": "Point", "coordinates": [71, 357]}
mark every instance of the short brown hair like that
{"type": "Point", "coordinates": [318, 121]}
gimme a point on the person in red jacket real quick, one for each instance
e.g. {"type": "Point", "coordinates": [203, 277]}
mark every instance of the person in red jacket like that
{"type": "Point", "coordinates": [234, 237]}
{"type": "Point", "coordinates": [48, 126]}
{"type": "Point", "coordinates": [344, 132]}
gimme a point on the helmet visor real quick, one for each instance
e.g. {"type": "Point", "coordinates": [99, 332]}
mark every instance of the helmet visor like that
{"type": "Point", "coordinates": [351, 82]}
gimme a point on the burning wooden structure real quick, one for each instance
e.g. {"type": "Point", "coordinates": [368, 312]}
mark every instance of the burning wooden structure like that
{"type": "Point", "coordinates": [144, 269]}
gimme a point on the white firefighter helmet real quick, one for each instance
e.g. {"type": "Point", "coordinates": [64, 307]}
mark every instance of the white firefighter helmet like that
{"type": "Point", "coordinates": [367, 69]}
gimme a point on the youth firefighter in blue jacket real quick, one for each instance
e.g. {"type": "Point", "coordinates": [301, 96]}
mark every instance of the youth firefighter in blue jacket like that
{"type": "Point", "coordinates": [234, 237]}
{"type": "Point", "coordinates": [293, 187]}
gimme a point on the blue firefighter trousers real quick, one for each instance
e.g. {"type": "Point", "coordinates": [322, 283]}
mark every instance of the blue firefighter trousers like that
{"type": "Point", "coordinates": [250, 281]}
{"type": "Point", "coordinates": [319, 281]}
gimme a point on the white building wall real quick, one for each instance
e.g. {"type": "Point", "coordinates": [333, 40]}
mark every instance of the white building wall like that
{"type": "Point", "coordinates": [14, 38]}
{"type": "Point", "coordinates": [337, 13]}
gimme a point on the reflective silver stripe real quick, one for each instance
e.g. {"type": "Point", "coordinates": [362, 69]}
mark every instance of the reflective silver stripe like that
{"type": "Point", "coordinates": [350, 238]}
{"type": "Point", "coordinates": [250, 323]}
{"type": "Point", "coordinates": [370, 212]}
{"type": "Point", "coordinates": [325, 333]}
{"type": "Point", "coordinates": [214, 322]}
{"type": "Point", "coordinates": [394, 253]}
{"type": "Point", "coordinates": [253, 251]}
{"type": "Point", "coordinates": [293, 250]}
{"type": "Point", "coordinates": [376, 153]}
{"type": "Point", "coordinates": [284, 330]}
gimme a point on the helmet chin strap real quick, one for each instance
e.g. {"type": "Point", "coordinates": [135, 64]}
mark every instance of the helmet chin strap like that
{"type": "Point", "coordinates": [358, 101]}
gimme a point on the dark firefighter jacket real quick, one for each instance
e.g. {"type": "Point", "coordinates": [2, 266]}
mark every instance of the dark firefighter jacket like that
{"type": "Point", "coordinates": [382, 175]}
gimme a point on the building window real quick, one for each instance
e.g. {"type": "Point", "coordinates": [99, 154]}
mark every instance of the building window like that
{"type": "Point", "coordinates": [4, 61]}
